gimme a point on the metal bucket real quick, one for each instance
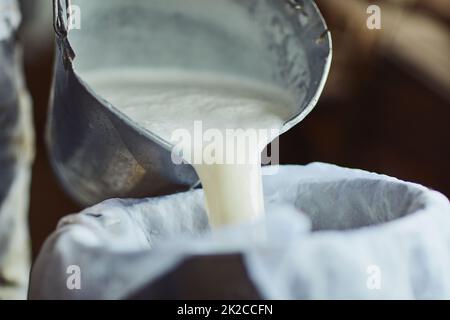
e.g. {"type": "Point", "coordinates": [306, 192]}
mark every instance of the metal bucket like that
{"type": "Point", "coordinates": [96, 151]}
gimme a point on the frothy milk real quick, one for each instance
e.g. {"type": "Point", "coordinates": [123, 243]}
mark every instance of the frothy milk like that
{"type": "Point", "coordinates": [244, 115]}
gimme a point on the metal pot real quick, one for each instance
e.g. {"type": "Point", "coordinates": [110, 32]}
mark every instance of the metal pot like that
{"type": "Point", "coordinates": [96, 151]}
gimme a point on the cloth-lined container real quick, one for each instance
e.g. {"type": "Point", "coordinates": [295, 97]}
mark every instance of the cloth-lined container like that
{"type": "Point", "coordinates": [329, 233]}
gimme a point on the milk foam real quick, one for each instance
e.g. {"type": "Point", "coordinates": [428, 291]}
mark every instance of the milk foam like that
{"type": "Point", "coordinates": [167, 102]}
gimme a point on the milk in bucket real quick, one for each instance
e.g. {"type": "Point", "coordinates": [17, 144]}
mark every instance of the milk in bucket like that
{"type": "Point", "coordinates": [243, 114]}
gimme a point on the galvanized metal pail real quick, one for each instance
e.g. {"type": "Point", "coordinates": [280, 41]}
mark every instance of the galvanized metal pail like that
{"type": "Point", "coordinates": [96, 151]}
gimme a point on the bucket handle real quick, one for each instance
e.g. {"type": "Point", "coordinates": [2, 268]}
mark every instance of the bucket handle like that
{"type": "Point", "coordinates": [60, 26]}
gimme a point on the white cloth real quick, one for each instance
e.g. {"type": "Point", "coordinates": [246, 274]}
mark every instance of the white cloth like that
{"type": "Point", "coordinates": [330, 233]}
{"type": "Point", "coordinates": [16, 155]}
{"type": "Point", "coordinates": [9, 18]}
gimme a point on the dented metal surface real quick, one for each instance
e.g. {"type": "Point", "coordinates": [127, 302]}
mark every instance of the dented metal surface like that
{"type": "Point", "coordinates": [96, 151]}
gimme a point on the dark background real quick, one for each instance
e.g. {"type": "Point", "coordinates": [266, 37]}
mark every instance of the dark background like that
{"type": "Point", "coordinates": [386, 107]}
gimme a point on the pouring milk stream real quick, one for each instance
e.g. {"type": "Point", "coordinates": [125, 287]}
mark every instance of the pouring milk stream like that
{"type": "Point", "coordinates": [219, 124]}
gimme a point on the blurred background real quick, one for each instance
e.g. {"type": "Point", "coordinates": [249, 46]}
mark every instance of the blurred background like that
{"type": "Point", "coordinates": [386, 106]}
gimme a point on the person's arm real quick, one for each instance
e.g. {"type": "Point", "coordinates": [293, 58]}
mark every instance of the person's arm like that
{"type": "Point", "coordinates": [16, 154]}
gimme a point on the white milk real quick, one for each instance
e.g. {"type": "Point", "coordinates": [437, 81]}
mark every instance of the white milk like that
{"type": "Point", "coordinates": [165, 101]}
